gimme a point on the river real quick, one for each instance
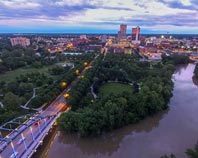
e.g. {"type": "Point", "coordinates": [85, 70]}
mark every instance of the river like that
{"type": "Point", "coordinates": [171, 131]}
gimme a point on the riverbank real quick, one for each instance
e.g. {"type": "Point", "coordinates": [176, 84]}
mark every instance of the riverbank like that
{"type": "Point", "coordinates": [170, 131]}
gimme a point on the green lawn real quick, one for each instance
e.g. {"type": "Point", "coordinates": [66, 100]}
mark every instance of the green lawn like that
{"type": "Point", "coordinates": [115, 88]}
{"type": "Point", "coordinates": [11, 75]}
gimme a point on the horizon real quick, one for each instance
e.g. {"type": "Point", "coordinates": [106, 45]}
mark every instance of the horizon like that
{"type": "Point", "coordinates": [97, 33]}
{"type": "Point", "coordinates": [98, 16]}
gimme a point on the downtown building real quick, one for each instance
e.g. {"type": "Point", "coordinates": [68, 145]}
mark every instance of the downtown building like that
{"type": "Point", "coordinates": [135, 35]}
{"type": "Point", "coordinates": [122, 31]}
{"type": "Point", "coordinates": [20, 41]}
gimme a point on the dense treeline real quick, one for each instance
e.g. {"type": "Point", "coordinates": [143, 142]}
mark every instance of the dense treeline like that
{"type": "Point", "coordinates": [93, 117]}
{"type": "Point", "coordinates": [196, 70]}
{"type": "Point", "coordinates": [175, 59]}
{"type": "Point", "coordinates": [191, 153]}
{"type": "Point", "coordinates": [81, 88]}
{"type": "Point", "coordinates": [20, 57]}
{"type": "Point", "coordinates": [15, 57]}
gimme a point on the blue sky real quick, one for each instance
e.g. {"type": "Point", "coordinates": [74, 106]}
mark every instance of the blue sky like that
{"type": "Point", "coordinates": [98, 16]}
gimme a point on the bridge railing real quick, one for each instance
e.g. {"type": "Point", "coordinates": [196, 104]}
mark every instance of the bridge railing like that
{"type": "Point", "coordinates": [39, 139]}
{"type": "Point", "coordinates": [8, 139]}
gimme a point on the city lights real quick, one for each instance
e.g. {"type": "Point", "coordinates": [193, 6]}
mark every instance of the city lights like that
{"type": "Point", "coordinates": [66, 95]}
{"type": "Point", "coordinates": [85, 63]}
{"type": "Point", "coordinates": [77, 72]}
{"type": "Point", "coordinates": [63, 84]}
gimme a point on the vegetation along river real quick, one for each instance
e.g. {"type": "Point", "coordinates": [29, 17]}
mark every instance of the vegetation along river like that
{"type": "Point", "coordinates": [171, 131]}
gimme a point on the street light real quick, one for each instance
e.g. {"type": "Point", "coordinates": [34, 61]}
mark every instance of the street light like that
{"type": "Point", "coordinates": [85, 63]}
{"type": "Point", "coordinates": [63, 84]}
{"type": "Point", "coordinates": [77, 72]}
{"type": "Point", "coordinates": [82, 77]}
{"type": "Point", "coordinates": [66, 95]}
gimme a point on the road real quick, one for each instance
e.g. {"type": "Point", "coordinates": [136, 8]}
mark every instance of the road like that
{"type": "Point", "coordinates": [18, 144]}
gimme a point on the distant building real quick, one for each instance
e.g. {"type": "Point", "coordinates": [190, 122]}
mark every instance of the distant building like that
{"type": "Point", "coordinates": [94, 47]}
{"type": "Point", "coordinates": [122, 31]}
{"type": "Point", "coordinates": [155, 56]}
{"type": "Point", "coordinates": [121, 44]}
{"type": "Point", "coordinates": [20, 41]}
{"type": "Point", "coordinates": [83, 37]}
{"type": "Point", "coordinates": [118, 50]}
{"type": "Point", "coordinates": [127, 50]}
{"type": "Point", "coordinates": [136, 35]}
{"type": "Point", "coordinates": [104, 38]}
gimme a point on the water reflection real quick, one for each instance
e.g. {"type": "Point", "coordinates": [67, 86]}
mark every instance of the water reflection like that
{"type": "Point", "coordinates": [171, 131]}
{"type": "Point", "coordinates": [110, 142]}
{"type": "Point", "coordinates": [195, 80]}
{"type": "Point", "coordinates": [180, 68]}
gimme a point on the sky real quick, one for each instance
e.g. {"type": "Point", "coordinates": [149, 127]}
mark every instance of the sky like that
{"type": "Point", "coordinates": [98, 16]}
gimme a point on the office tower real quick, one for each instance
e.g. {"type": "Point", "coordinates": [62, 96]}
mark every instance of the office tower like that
{"type": "Point", "coordinates": [136, 35]}
{"type": "Point", "coordinates": [122, 31]}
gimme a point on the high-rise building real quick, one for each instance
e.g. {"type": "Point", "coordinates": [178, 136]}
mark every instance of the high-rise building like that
{"type": "Point", "coordinates": [122, 31]}
{"type": "Point", "coordinates": [20, 41]}
{"type": "Point", "coordinates": [123, 28]}
{"type": "Point", "coordinates": [136, 35]}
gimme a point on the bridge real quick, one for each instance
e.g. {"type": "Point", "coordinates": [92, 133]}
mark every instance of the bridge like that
{"type": "Point", "coordinates": [23, 140]}
{"type": "Point", "coordinates": [27, 132]}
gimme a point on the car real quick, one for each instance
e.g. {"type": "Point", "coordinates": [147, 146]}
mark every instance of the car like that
{"type": "Point", "coordinates": [37, 123]}
{"type": "Point", "coordinates": [14, 155]}
{"type": "Point", "coordinates": [20, 141]}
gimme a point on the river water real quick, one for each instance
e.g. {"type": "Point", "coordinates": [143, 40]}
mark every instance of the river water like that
{"type": "Point", "coordinates": [171, 131]}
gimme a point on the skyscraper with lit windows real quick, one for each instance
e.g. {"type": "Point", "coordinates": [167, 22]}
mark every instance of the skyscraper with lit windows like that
{"type": "Point", "coordinates": [136, 35]}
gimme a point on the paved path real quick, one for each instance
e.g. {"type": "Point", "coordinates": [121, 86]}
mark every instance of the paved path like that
{"type": "Point", "coordinates": [33, 132]}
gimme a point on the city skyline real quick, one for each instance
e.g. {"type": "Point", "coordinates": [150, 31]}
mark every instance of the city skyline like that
{"type": "Point", "coordinates": [98, 16]}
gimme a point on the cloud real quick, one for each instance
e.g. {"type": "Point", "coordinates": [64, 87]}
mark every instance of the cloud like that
{"type": "Point", "coordinates": [182, 4]}
{"type": "Point", "coordinates": [97, 14]}
{"type": "Point", "coordinates": [19, 4]}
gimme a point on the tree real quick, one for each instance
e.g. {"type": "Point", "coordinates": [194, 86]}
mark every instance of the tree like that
{"type": "Point", "coordinates": [24, 88]}
{"type": "Point", "coordinates": [113, 111]}
{"type": "Point", "coordinates": [37, 102]}
{"type": "Point", "coordinates": [11, 101]}
{"type": "Point", "coordinates": [57, 70]}
{"type": "Point", "coordinates": [69, 121]}
{"type": "Point", "coordinates": [37, 64]}
{"type": "Point", "coordinates": [2, 68]}
{"type": "Point", "coordinates": [166, 156]}
{"type": "Point", "coordinates": [193, 153]}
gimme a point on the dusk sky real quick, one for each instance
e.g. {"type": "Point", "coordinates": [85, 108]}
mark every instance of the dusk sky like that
{"type": "Point", "coordinates": [98, 16]}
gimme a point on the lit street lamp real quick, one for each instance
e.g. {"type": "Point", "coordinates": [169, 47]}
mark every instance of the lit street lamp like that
{"type": "Point", "coordinates": [66, 95]}
{"type": "Point", "coordinates": [63, 84]}
{"type": "Point", "coordinates": [85, 63]}
{"type": "Point", "coordinates": [77, 72]}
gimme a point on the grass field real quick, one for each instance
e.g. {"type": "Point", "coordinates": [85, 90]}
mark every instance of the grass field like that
{"type": "Point", "coordinates": [115, 88]}
{"type": "Point", "coordinates": [11, 75]}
